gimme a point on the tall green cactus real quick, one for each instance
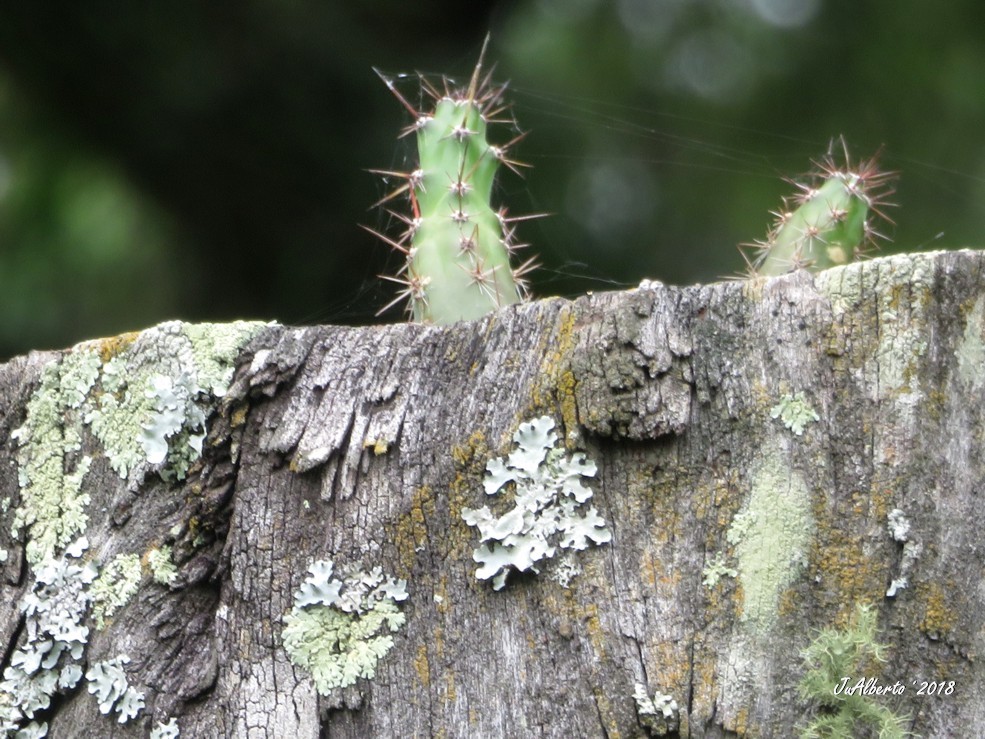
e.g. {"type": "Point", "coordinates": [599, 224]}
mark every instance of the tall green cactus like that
{"type": "Point", "coordinates": [457, 245]}
{"type": "Point", "coordinates": [827, 223]}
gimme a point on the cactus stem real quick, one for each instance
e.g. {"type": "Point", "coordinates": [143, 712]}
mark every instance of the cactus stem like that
{"type": "Point", "coordinates": [453, 221]}
{"type": "Point", "coordinates": [826, 222]}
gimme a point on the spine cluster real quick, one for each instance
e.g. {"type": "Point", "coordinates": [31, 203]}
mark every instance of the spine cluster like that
{"type": "Point", "coordinates": [827, 222]}
{"type": "Point", "coordinates": [457, 246]}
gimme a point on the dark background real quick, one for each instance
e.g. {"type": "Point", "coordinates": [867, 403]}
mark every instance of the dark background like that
{"type": "Point", "coordinates": [207, 161]}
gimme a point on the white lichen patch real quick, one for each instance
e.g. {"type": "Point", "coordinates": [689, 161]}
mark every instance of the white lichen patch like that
{"type": "Point", "coordinates": [162, 565]}
{"type": "Point", "coordinates": [167, 730]}
{"type": "Point", "coordinates": [108, 682]}
{"type": "Point", "coordinates": [548, 505]}
{"type": "Point", "coordinates": [659, 705]}
{"type": "Point", "coordinates": [772, 538]}
{"type": "Point", "coordinates": [795, 412]}
{"type": "Point", "coordinates": [48, 660]}
{"type": "Point", "coordinates": [339, 628]}
{"type": "Point", "coordinates": [899, 529]}
{"type": "Point", "coordinates": [657, 714]}
{"type": "Point", "coordinates": [898, 525]}
{"type": "Point", "coordinates": [116, 584]}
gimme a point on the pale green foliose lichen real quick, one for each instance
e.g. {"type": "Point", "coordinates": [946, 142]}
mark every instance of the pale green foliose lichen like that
{"type": "Point", "coordinates": [116, 584]}
{"type": "Point", "coordinates": [161, 565]}
{"type": "Point", "coordinates": [548, 511]}
{"type": "Point", "coordinates": [147, 406]}
{"type": "Point", "coordinates": [339, 628]}
{"type": "Point", "coordinates": [716, 569]}
{"type": "Point", "coordinates": [108, 682]}
{"type": "Point", "coordinates": [157, 394]}
{"type": "Point", "coordinates": [50, 470]}
{"type": "Point", "coordinates": [771, 537]}
{"type": "Point", "coordinates": [795, 412]}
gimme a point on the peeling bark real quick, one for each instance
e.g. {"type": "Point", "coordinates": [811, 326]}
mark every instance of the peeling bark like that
{"type": "Point", "coordinates": [735, 539]}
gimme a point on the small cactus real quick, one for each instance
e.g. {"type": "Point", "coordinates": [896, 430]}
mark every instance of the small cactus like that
{"type": "Point", "coordinates": [457, 245]}
{"type": "Point", "coordinates": [827, 223]}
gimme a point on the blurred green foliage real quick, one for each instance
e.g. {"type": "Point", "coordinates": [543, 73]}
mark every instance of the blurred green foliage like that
{"type": "Point", "coordinates": [165, 160]}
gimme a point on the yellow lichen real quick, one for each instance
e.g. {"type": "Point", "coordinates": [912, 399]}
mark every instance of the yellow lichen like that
{"type": "Point", "coordinates": [938, 618]}
{"type": "Point", "coordinates": [410, 534]}
{"type": "Point", "coordinates": [422, 666]}
{"type": "Point", "coordinates": [556, 386]}
{"type": "Point", "coordinates": [114, 345]}
{"type": "Point", "coordinates": [379, 446]}
{"type": "Point", "coordinates": [238, 416]}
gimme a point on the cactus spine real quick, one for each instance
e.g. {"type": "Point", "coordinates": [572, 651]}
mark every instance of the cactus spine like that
{"type": "Point", "coordinates": [457, 246]}
{"type": "Point", "coordinates": [827, 222]}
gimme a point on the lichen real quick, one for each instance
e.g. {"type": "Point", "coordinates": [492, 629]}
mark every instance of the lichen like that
{"type": "Point", "coordinates": [156, 395]}
{"type": "Point", "coordinates": [167, 730]}
{"type": "Point", "coordinates": [899, 530]}
{"type": "Point", "coordinates": [161, 565]}
{"type": "Point", "coordinates": [145, 397]}
{"type": "Point", "coordinates": [548, 511]}
{"type": "Point", "coordinates": [657, 714]}
{"type": "Point", "coordinates": [717, 569]}
{"type": "Point", "coordinates": [339, 629]}
{"type": "Point", "coordinates": [114, 587]}
{"type": "Point", "coordinates": [772, 537]}
{"type": "Point", "coordinates": [795, 412]}
{"type": "Point", "coordinates": [50, 470]}
{"type": "Point", "coordinates": [146, 401]}
{"type": "Point", "coordinates": [48, 661]}
{"type": "Point", "coordinates": [108, 682]}
{"type": "Point", "coordinates": [833, 660]}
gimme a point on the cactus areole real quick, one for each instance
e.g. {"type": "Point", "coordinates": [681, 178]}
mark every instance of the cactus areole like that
{"type": "Point", "coordinates": [457, 246]}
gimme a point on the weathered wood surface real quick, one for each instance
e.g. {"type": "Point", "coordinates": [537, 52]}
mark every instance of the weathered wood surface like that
{"type": "Point", "coordinates": [366, 443]}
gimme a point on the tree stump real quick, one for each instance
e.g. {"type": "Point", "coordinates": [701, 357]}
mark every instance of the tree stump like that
{"type": "Point", "coordinates": [771, 455]}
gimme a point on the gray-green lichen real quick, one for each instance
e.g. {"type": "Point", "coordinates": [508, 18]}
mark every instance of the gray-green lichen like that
{"type": "Point", "coordinates": [795, 412]}
{"type": "Point", "coordinates": [147, 406]}
{"type": "Point", "coordinates": [108, 682]}
{"type": "Point", "coordinates": [157, 393]}
{"type": "Point", "coordinates": [145, 398]}
{"type": "Point", "coordinates": [161, 565]}
{"type": "Point", "coordinates": [116, 584]}
{"type": "Point", "coordinates": [50, 468]}
{"type": "Point", "coordinates": [716, 569]}
{"type": "Point", "coordinates": [900, 321]}
{"type": "Point", "coordinates": [339, 628]}
{"type": "Point", "coordinates": [169, 730]}
{"type": "Point", "coordinates": [772, 538]}
{"type": "Point", "coordinates": [49, 656]}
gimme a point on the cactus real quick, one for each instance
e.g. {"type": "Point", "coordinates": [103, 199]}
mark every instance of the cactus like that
{"type": "Point", "coordinates": [456, 244]}
{"type": "Point", "coordinates": [827, 223]}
